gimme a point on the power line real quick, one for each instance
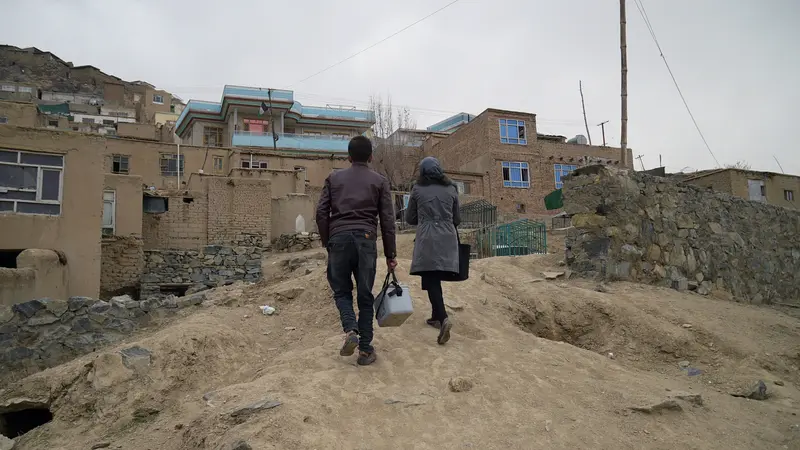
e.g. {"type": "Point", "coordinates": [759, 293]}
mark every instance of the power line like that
{"type": "Point", "coordinates": [377, 43]}
{"type": "Point", "coordinates": [646, 18]}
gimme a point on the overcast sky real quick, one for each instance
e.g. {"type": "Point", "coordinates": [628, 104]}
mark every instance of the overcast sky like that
{"type": "Point", "coordinates": [737, 61]}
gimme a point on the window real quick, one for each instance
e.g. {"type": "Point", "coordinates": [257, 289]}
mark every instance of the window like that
{"type": "Point", "coordinates": [87, 120]}
{"type": "Point", "coordinates": [256, 126]}
{"type": "Point", "coordinates": [8, 88]}
{"type": "Point", "coordinates": [562, 170]}
{"type": "Point", "coordinates": [515, 175]}
{"type": "Point", "coordinates": [253, 163]}
{"type": "Point", "coordinates": [109, 213]}
{"type": "Point", "coordinates": [212, 137]}
{"type": "Point", "coordinates": [788, 195]}
{"type": "Point", "coordinates": [462, 187]}
{"type": "Point", "coordinates": [169, 164]}
{"type": "Point", "coordinates": [52, 123]}
{"type": "Point", "coordinates": [119, 164]}
{"type": "Point", "coordinates": [158, 99]}
{"type": "Point", "coordinates": [3, 119]}
{"type": "Point", "coordinates": [218, 164]}
{"type": "Point", "coordinates": [111, 132]}
{"type": "Point", "coordinates": [108, 122]}
{"type": "Point", "coordinates": [30, 183]}
{"type": "Point", "coordinates": [25, 89]}
{"type": "Point", "coordinates": [521, 209]}
{"type": "Point", "coordinates": [172, 108]}
{"type": "Point", "coordinates": [512, 132]}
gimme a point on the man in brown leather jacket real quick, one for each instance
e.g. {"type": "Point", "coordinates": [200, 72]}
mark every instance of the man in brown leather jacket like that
{"type": "Point", "coordinates": [347, 217]}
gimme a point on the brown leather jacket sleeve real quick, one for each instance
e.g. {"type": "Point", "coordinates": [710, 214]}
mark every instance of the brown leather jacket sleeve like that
{"type": "Point", "coordinates": [386, 214]}
{"type": "Point", "coordinates": [324, 213]}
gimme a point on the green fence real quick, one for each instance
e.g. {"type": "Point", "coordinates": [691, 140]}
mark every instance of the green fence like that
{"type": "Point", "coordinates": [520, 237]}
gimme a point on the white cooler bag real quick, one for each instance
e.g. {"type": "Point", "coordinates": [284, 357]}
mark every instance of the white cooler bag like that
{"type": "Point", "coordinates": [393, 303]}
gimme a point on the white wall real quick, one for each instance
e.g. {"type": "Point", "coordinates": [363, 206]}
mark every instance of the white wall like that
{"type": "Point", "coordinates": [98, 119]}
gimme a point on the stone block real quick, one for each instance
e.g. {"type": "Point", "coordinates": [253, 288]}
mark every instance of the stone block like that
{"type": "Point", "coordinates": [681, 284]}
{"type": "Point", "coordinates": [28, 309]}
{"type": "Point", "coordinates": [18, 354]}
{"type": "Point", "coordinates": [82, 325]}
{"type": "Point", "coordinates": [654, 252]}
{"type": "Point", "coordinates": [589, 221]}
{"type": "Point", "coordinates": [56, 307]}
{"type": "Point", "coordinates": [715, 228]}
{"type": "Point", "coordinates": [42, 318]}
{"type": "Point", "coordinates": [136, 358]}
{"type": "Point", "coordinates": [76, 303]}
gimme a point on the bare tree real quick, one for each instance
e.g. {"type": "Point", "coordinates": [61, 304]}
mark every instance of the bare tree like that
{"type": "Point", "coordinates": [393, 156]}
{"type": "Point", "coordinates": [741, 165]}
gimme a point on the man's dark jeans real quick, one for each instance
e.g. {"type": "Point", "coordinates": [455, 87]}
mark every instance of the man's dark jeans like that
{"type": "Point", "coordinates": [354, 253]}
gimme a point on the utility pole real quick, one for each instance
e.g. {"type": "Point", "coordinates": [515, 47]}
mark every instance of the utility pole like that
{"type": "Point", "coordinates": [583, 105]}
{"type": "Point", "coordinates": [603, 128]}
{"type": "Point", "coordinates": [640, 161]}
{"type": "Point", "coordinates": [623, 48]}
{"type": "Point", "coordinates": [272, 122]}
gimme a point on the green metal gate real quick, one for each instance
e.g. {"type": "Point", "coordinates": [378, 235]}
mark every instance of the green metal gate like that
{"type": "Point", "coordinates": [520, 237]}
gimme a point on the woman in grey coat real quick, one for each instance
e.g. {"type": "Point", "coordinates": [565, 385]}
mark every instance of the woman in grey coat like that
{"type": "Point", "coordinates": [433, 207]}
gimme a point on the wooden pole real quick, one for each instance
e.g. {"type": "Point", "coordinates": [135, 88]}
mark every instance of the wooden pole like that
{"type": "Point", "coordinates": [603, 129]}
{"type": "Point", "coordinates": [623, 47]}
{"type": "Point", "coordinates": [583, 105]}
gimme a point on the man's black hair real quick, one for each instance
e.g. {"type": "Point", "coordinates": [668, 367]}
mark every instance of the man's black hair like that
{"type": "Point", "coordinates": [360, 149]}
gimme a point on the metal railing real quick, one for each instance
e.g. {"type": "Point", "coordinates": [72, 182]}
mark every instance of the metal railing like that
{"type": "Point", "coordinates": [521, 237]}
{"type": "Point", "coordinates": [293, 135]}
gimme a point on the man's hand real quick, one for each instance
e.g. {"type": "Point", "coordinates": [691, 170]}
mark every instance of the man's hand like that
{"type": "Point", "coordinates": [391, 263]}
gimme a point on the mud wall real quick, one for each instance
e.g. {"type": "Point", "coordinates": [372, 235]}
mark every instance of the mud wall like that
{"type": "Point", "coordinates": [122, 267]}
{"type": "Point", "coordinates": [39, 273]}
{"type": "Point", "coordinates": [629, 226]}
{"type": "Point", "coordinates": [214, 265]}
{"type": "Point", "coordinates": [43, 333]}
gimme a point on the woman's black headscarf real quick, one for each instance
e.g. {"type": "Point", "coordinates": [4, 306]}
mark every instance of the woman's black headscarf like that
{"type": "Point", "coordinates": [430, 172]}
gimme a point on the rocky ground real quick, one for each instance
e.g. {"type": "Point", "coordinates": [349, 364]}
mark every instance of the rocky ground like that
{"type": "Point", "coordinates": [533, 363]}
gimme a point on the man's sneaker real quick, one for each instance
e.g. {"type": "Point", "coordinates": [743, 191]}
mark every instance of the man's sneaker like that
{"type": "Point", "coordinates": [350, 344]}
{"type": "Point", "coordinates": [434, 323]}
{"type": "Point", "coordinates": [444, 332]}
{"type": "Point", "coordinates": [365, 359]}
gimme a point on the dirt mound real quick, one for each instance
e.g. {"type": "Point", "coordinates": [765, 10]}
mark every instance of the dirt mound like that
{"type": "Point", "coordinates": [533, 363]}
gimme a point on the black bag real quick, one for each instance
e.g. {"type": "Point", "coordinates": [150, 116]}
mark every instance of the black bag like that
{"type": "Point", "coordinates": [464, 251]}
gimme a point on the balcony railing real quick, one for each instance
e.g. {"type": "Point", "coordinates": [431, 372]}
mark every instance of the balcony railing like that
{"type": "Point", "coordinates": [325, 143]}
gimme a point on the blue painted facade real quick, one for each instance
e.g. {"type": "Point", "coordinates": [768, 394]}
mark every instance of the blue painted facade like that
{"type": "Point", "coordinates": [451, 123]}
{"type": "Point", "coordinates": [292, 142]}
{"type": "Point", "coordinates": [282, 100]}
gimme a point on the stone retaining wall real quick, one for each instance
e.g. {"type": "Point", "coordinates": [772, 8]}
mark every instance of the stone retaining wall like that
{"type": "Point", "coordinates": [43, 333]}
{"type": "Point", "coordinates": [297, 242]}
{"type": "Point", "coordinates": [630, 226]}
{"type": "Point", "coordinates": [212, 266]}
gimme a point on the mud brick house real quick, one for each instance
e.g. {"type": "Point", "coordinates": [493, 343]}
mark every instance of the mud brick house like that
{"type": "Point", "coordinates": [520, 166]}
{"type": "Point", "coordinates": [765, 187]}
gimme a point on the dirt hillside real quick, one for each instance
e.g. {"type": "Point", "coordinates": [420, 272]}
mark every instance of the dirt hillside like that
{"type": "Point", "coordinates": [533, 364]}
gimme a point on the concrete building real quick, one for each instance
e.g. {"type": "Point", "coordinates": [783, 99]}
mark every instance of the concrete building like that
{"type": "Point", "coordinates": [236, 121]}
{"type": "Point", "coordinates": [13, 91]}
{"type": "Point", "coordinates": [766, 187]}
{"type": "Point", "coordinates": [520, 165]}
{"type": "Point", "coordinates": [78, 207]}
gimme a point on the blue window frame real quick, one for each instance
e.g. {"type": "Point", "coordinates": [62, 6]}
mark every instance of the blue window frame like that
{"type": "Point", "coordinates": [562, 170]}
{"type": "Point", "coordinates": [516, 174]}
{"type": "Point", "coordinates": [513, 132]}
